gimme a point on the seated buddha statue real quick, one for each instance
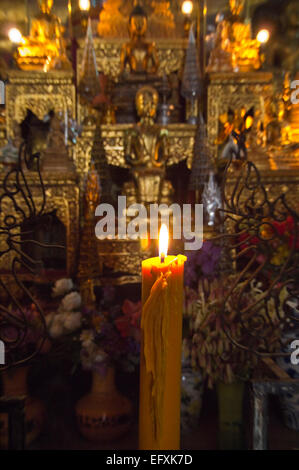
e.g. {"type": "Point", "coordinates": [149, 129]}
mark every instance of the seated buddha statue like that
{"type": "Point", "coordinates": [44, 49]}
{"type": "Point", "coordinates": [138, 67]}
{"type": "Point", "coordinates": [146, 152]}
{"type": "Point", "coordinates": [245, 51]}
{"type": "Point", "coordinates": [220, 58]}
{"type": "Point", "coordinates": [55, 157]}
{"type": "Point", "coordinates": [114, 15]}
{"type": "Point", "coordinates": [138, 56]}
{"type": "Point", "coordinates": [233, 38]}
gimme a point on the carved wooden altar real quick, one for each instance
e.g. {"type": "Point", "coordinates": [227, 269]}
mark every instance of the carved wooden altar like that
{"type": "Point", "coordinates": [171, 55]}
{"type": "Point", "coordinates": [62, 195]}
{"type": "Point", "coordinates": [39, 92]}
{"type": "Point", "coordinates": [235, 91]}
{"type": "Point", "coordinates": [104, 144]}
{"type": "Point", "coordinates": [181, 138]}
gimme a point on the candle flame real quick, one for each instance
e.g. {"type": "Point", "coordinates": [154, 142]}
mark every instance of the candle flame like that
{"type": "Point", "coordinates": [163, 241]}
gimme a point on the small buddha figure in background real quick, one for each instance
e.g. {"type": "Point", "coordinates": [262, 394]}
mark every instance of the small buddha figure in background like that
{"type": "Point", "coordinates": [238, 29]}
{"type": "Point", "coordinates": [146, 152]}
{"type": "Point", "coordinates": [55, 157]}
{"type": "Point", "coordinates": [114, 17]}
{"type": "Point", "coordinates": [234, 38]}
{"type": "Point", "coordinates": [44, 49]}
{"type": "Point", "coordinates": [245, 51]}
{"type": "Point", "coordinates": [220, 58]}
{"type": "Point", "coordinates": [283, 55]}
{"type": "Point", "coordinates": [139, 56]}
{"type": "Point", "coordinates": [278, 114]}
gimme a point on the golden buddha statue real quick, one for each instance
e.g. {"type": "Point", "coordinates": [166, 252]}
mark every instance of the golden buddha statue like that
{"type": "Point", "coordinates": [114, 17]}
{"type": "Point", "coordinates": [220, 58]}
{"type": "Point", "coordinates": [234, 38]}
{"type": "Point", "coordinates": [44, 49]}
{"type": "Point", "coordinates": [245, 51]}
{"type": "Point", "coordinates": [281, 115]}
{"type": "Point", "coordinates": [138, 56]}
{"type": "Point", "coordinates": [55, 157]}
{"type": "Point", "coordinates": [147, 151]}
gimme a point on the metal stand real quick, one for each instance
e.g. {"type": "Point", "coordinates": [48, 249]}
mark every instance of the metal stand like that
{"type": "Point", "coordinates": [14, 407]}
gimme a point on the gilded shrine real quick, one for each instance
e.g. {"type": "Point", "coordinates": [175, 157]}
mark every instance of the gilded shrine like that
{"type": "Point", "coordinates": [149, 225]}
{"type": "Point", "coordinates": [135, 125]}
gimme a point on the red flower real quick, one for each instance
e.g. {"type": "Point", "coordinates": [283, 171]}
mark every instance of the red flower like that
{"type": "Point", "coordinates": [124, 326]}
{"type": "Point", "coordinates": [129, 322]}
{"type": "Point", "coordinates": [133, 311]}
{"type": "Point", "coordinates": [248, 241]}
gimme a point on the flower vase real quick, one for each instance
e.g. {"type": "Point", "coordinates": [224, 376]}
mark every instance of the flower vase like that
{"type": "Point", "coordinates": [103, 414]}
{"type": "Point", "coordinates": [289, 401]}
{"type": "Point", "coordinates": [14, 382]}
{"type": "Point", "coordinates": [230, 413]}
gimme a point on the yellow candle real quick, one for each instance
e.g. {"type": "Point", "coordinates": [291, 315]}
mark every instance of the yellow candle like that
{"type": "Point", "coordinates": [160, 359]}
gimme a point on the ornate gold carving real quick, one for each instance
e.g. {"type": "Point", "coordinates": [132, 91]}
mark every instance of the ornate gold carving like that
{"type": "Point", "coordinates": [40, 92]}
{"type": "Point", "coordinates": [44, 49]}
{"type": "Point", "coordinates": [82, 152]}
{"type": "Point", "coordinates": [180, 136]}
{"type": "Point", "coordinates": [171, 54]}
{"type": "Point", "coordinates": [114, 17]}
{"type": "Point", "coordinates": [62, 194]}
{"type": "Point", "coordinates": [236, 90]}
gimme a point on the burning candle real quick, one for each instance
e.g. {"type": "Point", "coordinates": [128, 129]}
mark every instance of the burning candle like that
{"type": "Point", "coordinates": [160, 357]}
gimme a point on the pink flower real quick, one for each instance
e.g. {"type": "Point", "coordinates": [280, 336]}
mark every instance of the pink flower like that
{"type": "Point", "coordinates": [132, 310]}
{"type": "Point", "coordinates": [129, 322]}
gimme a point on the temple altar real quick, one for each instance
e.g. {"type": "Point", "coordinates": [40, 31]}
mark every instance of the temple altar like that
{"type": "Point", "coordinates": [40, 92]}
{"type": "Point", "coordinates": [105, 143]}
{"type": "Point", "coordinates": [149, 224]}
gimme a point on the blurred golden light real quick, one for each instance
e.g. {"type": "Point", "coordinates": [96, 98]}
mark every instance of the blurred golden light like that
{"type": "Point", "coordinates": [249, 122]}
{"type": "Point", "coordinates": [187, 7]}
{"type": "Point", "coordinates": [15, 35]}
{"type": "Point", "coordinates": [84, 5]}
{"type": "Point", "coordinates": [263, 36]}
